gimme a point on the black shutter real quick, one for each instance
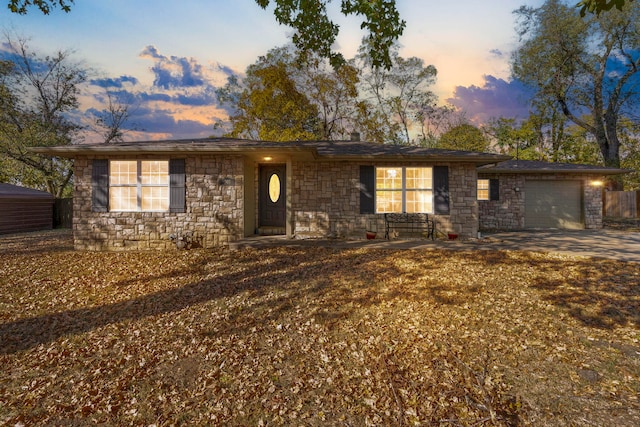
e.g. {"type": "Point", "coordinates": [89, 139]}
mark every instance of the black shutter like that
{"type": "Point", "coordinates": [367, 190]}
{"type": "Point", "coordinates": [177, 200]}
{"type": "Point", "coordinates": [494, 189]}
{"type": "Point", "coordinates": [441, 190]}
{"type": "Point", "coordinates": [100, 185]}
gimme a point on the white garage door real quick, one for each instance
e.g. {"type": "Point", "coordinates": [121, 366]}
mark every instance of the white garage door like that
{"type": "Point", "coordinates": [553, 204]}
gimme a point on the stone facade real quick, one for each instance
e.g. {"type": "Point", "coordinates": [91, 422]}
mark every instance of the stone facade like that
{"type": "Point", "coordinates": [508, 213]}
{"type": "Point", "coordinates": [326, 201]}
{"type": "Point", "coordinates": [323, 196]}
{"type": "Point", "coordinates": [213, 216]}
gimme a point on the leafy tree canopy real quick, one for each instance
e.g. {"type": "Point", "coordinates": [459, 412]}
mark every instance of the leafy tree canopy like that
{"type": "Point", "coordinates": [21, 7]}
{"type": "Point", "coordinates": [464, 137]}
{"type": "Point", "coordinates": [587, 68]}
{"type": "Point", "coordinates": [315, 32]}
{"type": "Point", "coordinates": [597, 6]}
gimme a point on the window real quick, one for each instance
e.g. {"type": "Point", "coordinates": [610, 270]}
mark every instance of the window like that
{"type": "Point", "coordinates": [404, 189]}
{"type": "Point", "coordinates": [489, 189]}
{"type": "Point", "coordinates": [483, 189]}
{"type": "Point", "coordinates": [139, 185]}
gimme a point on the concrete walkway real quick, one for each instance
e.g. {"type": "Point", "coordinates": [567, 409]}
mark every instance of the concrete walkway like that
{"type": "Point", "coordinates": [608, 244]}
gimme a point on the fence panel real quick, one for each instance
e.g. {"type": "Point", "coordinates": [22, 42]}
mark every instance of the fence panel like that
{"type": "Point", "coordinates": [63, 213]}
{"type": "Point", "coordinates": [621, 204]}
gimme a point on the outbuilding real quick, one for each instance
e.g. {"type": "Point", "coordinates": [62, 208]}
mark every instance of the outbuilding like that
{"type": "Point", "coordinates": [24, 209]}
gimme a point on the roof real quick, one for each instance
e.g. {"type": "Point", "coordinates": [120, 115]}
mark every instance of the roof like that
{"type": "Point", "coordinates": [9, 191]}
{"type": "Point", "coordinates": [311, 150]}
{"type": "Point", "coordinates": [535, 166]}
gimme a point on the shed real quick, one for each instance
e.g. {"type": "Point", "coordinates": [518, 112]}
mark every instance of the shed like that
{"type": "Point", "coordinates": [24, 209]}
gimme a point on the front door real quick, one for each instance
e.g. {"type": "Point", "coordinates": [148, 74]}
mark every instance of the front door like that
{"type": "Point", "coordinates": [272, 196]}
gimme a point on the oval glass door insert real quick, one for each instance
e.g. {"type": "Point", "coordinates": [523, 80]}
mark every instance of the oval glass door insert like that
{"type": "Point", "coordinates": [274, 188]}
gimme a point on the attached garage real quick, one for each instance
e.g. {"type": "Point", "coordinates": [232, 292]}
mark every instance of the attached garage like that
{"type": "Point", "coordinates": [528, 194]}
{"type": "Point", "coordinates": [553, 204]}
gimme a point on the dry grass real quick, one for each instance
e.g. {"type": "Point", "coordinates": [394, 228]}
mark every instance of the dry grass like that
{"type": "Point", "coordinates": [315, 336]}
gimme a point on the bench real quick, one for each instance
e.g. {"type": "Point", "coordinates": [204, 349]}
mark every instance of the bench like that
{"type": "Point", "coordinates": [412, 222]}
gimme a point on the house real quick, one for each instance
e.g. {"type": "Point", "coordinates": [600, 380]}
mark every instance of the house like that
{"type": "Point", "coordinates": [525, 194]}
{"type": "Point", "coordinates": [211, 192]}
{"type": "Point", "coordinates": [24, 209]}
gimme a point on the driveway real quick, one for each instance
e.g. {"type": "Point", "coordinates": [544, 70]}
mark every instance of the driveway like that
{"type": "Point", "coordinates": [608, 244]}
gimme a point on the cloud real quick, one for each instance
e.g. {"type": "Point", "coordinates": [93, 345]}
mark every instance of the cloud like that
{"type": "Point", "coordinates": [117, 82]}
{"type": "Point", "coordinates": [496, 98]}
{"type": "Point", "coordinates": [174, 72]}
{"type": "Point", "coordinates": [180, 103]}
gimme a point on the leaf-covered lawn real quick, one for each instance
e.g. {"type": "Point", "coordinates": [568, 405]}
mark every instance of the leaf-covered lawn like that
{"type": "Point", "coordinates": [315, 336]}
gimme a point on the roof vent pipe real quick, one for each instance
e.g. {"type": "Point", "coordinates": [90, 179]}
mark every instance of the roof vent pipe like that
{"type": "Point", "coordinates": [355, 136]}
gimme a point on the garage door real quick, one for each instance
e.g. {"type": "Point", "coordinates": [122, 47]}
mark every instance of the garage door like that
{"type": "Point", "coordinates": [553, 204]}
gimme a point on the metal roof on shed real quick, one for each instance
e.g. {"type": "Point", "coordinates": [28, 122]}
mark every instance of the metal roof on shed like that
{"type": "Point", "coordinates": [10, 191]}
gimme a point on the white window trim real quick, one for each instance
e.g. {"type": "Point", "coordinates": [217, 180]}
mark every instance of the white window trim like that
{"type": "Point", "coordinates": [404, 189]}
{"type": "Point", "coordinates": [488, 189]}
{"type": "Point", "coordinates": [139, 186]}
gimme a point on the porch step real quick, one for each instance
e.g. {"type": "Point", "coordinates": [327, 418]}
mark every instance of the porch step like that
{"type": "Point", "coordinates": [271, 231]}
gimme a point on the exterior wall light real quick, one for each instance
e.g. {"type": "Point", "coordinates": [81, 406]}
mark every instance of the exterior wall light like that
{"type": "Point", "coordinates": [597, 183]}
{"type": "Point", "coordinates": [267, 159]}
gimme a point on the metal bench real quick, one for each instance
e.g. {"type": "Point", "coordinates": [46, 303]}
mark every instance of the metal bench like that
{"type": "Point", "coordinates": [411, 222]}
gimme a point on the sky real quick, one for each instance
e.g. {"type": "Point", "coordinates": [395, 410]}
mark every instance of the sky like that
{"type": "Point", "coordinates": [169, 56]}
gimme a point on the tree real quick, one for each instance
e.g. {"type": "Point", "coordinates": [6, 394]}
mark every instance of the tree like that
{"type": "Point", "coordinates": [110, 122]}
{"type": "Point", "coordinates": [464, 137]}
{"type": "Point", "coordinates": [37, 95]}
{"type": "Point", "coordinates": [597, 6]}
{"type": "Point", "coordinates": [588, 67]}
{"type": "Point", "coordinates": [21, 6]}
{"type": "Point", "coordinates": [394, 99]}
{"type": "Point", "coordinates": [268, 105]}
{"type": "Point", "coordinates": [334, 93]}
{"type": "Point", "coordinates": [315, 32]}
{"type": "Point", "coordinates": [433, 119]}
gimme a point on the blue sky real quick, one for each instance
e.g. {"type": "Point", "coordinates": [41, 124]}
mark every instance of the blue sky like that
{"type": "Point", "coordinates": [170, 55]}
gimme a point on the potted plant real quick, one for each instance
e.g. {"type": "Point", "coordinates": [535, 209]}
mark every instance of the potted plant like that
{"type": "Point", "coordinates": [371, 232]}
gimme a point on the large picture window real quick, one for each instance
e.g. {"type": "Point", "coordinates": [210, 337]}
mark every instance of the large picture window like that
{"type": "Point", "coordinates": [404, 189]}
{"type": "Point", "coordinates": [139, 185]}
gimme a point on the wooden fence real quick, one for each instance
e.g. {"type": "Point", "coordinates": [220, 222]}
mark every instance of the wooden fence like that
{"type": "Point", "coordinates": [621, 204]}
{"type": "Point", "coordinates": [63, 213]}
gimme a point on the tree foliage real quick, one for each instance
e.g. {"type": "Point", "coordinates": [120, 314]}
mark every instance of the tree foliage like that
{"type": "Point", "coordinates": [315, 32]}
{"type": "Point", "coordinates": [598, 6]}
{"type": "Point", "coordinates": [589, 67]}
{"type": "Point", "coordinates": [37, 95]}
{"type": "Point", "coordinates": [269, 105]}
{"type": "Point", "coordinates": [323, 102]}
{"type": "Point", "coordinates": [21, 7]}
{"type": "Point", "coordinates": [394, 100]}
{"type": "Point", "coordinates": [464, 137]}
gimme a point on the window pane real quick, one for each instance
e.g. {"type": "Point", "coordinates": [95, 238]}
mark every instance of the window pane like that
{"type": "Point", "coordinates": [483, 189]}
{"type": "Point", "coordinates": [388, 201]}
{"type": "Point", "coordinates": [154, 172]}
{"type": "Point", "coordinates": [123, 172]}
{"type": "Point", "coordinates": [123, 198]}
{"type": "Point", "coordinates": [388, 178]}
{"type": "Point", "coordinates": [155, 198]}
{"type": "Point", "coordinates": [419, 178]}
{"type": "Point", "coordinates": [419, 201]}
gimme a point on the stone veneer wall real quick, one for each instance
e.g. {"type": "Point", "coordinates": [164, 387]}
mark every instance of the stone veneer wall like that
{"type": "Point", "coordinates": [214, 209]}
{"type": "Point", "coordinates": [326, 201]}
{"type": "Point", "coordinates": [507, 213]}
